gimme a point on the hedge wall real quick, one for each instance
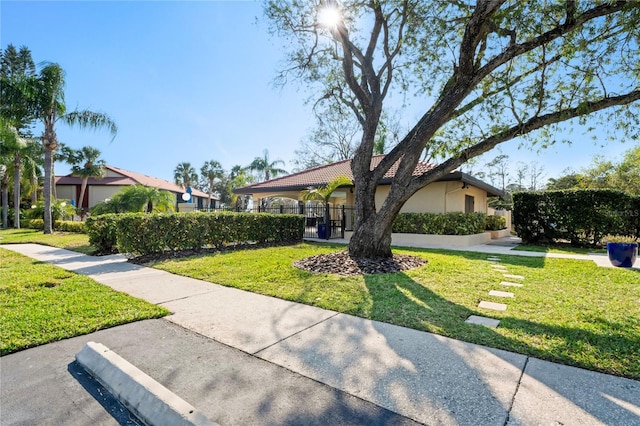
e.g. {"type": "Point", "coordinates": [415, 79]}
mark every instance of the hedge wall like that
{"type": "Point", "coordinates": [440, 224]}
{"type": "Point", "coordinates": [58, 225]}
{"type": "Point", "coordinates": [141, 233]}
{"type": "Point", "coordinates": [582, 217]}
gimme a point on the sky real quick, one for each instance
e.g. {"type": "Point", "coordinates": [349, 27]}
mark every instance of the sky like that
{"type": "Point", "coordinates": [191, 81]}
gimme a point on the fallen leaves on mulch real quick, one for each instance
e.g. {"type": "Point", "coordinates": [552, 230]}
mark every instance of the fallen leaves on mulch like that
{"type": "Point", "coordinates": [342, 264]}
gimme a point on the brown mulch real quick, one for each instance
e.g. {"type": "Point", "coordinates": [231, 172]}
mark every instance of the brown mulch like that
{"type": "Point", "coordinates": [342, 264]}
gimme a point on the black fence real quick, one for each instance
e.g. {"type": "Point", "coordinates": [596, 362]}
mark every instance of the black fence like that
{"type": "Point", "coordinates": [322, 222]}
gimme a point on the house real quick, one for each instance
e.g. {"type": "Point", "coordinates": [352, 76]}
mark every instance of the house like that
{"type": "Point", "coordinates": [456, 192]}
{"type": "Point", "coordinates": [115, 179]}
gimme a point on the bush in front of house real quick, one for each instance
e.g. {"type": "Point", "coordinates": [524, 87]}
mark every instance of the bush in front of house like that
{"type": "Point", "coordinates": [69, 226]}
{"type": "Point", "coordinates": [453, 223]}
{"type": "Point", "coordinates": [495, 223]}
{"type": "Point", "coordinates": [34, 224]}
{"type": "Point", "coordinates": [102, 232]}
{"type": "Point", "coordinates": [582, 217]}
{"type": "Point", "coordinates": [143, 234]}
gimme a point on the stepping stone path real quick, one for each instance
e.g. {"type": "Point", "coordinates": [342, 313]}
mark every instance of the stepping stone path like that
{"type": "Point", "coordinates": [488, 322]}
{"type": "Point", "coordinates": [514, 277]}
{"type": "Point", "coordinates": [500, 293]}
{"type": "Point", "coordinates": [510, 284]}
{"type": "Point", "coordinates": [492, 305]}
{"type": "Point", "coordinates": [491, 322]}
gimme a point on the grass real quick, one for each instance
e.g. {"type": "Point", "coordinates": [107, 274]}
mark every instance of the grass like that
{"type": "Point", "coordinates": [560, 248]}
{"type": "Point", "coordinates": [568, 311]}
{"type": "Point", "coordinates": [66, 240]}
{"type": "Point", "coordinates": [42, 303]}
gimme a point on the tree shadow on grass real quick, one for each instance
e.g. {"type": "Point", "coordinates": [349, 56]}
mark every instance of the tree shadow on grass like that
{"type": "Point", "coordinates": [420, 308]}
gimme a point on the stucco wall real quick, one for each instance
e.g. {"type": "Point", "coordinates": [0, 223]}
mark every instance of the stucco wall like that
{"type": "Point", "coordinates": [438, 197]}
{"type": "Point", "coordinates": [101, 193]}
{"type": "Point", "coordinates": [66, 192]}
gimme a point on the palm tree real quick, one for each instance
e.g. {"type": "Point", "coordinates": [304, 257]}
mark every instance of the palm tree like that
{"type": "Point", "coordinates": [25, 157]}
{"type": "Point", "coordinates": [16, 66]}
{"type": "Point", "coordinates": [184, 174]}
{"type": "Point", "coordinates": [86, 164]}
{"type": "Point", "coordinates": [210, 171]}
{"type": "Point", "coordinates": [46, 92]}
{"type": "Point", "coordinates": [324, 193]}
{"type": "Point", "coordinates": [138, 198]}
{"type": "Point", "coordinates": [265, 167]}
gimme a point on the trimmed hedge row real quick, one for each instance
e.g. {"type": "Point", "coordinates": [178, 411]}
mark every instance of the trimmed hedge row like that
{"type": "Point", "coordinates": [142, 234]}
{"type": "Point", "coordinates": [440, 224]}
{"type": "Point", "coordinates": [58, 225]}
{"type": "Point", "coordinates": [582, 217]}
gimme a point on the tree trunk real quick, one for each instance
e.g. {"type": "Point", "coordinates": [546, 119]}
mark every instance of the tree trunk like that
{"type": "Point", "coordinates": [83, 188]}
{"type": "Point", "coordinates": [48, 166]}
{"type": "Point", "coordinates": [34, 189]}
{"type": "Point", "coordinates": [5, 204]}
{"type": "Point", "coordinates": [371, 239]}
{"type": "Point", "coordinates": [372, 232]}
{"type": "Point", "coordinates": [16, 191]}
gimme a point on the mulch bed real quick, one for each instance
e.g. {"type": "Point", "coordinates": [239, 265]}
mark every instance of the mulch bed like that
{"type": "Point", "coordinates": [342, 264]}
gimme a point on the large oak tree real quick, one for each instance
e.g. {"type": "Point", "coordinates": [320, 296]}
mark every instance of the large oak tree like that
{"type": "Point", "coordinates": [487, 72]}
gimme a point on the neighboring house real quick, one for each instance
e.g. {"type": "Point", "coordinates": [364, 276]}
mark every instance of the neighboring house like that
{"type": "Point", "coordinates": [457, 192]}
{"type": "Point", "coordinates": [115, 179]}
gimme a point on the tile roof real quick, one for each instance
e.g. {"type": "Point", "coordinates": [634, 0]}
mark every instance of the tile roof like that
{"type": "Point", "coordinates": [321, 175]}
{"type": "Point", "coordinates": [131, 178]}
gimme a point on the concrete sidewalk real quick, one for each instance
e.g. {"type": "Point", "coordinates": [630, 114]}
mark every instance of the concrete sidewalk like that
{"type": "Point", "coordinates": [420, 376]}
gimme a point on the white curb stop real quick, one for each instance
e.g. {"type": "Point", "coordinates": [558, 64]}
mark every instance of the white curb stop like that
{"type": "Point", "coordinates": [147, 399]}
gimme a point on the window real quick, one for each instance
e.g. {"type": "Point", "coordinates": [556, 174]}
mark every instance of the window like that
{"type": "Point", "coordinates": [469, 204]}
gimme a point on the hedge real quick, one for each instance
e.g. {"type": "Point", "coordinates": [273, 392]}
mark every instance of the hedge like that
{"type": "Point", "coordinates": [142, 234]}
{"type": "Point", "coordinates": [440, 224]}
{"type": "Point", "coordinates": [70, 226]}
{"type": "Point", "coordinates": [582, 217]}
{"type": "Point", "coordinates": [495, 223]}
{"type": "Point", "coordinates": [102, 232]}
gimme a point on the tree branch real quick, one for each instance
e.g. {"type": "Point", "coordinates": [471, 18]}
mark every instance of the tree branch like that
{"type": "Point", "coordinates": [529, 126]}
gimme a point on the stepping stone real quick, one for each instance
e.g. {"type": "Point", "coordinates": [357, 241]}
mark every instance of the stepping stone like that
{"type": "Point", "coordinates": [487, 322]}
{"type": "Point", "coordinates": [493, 258]}
{"type": "Point", "coordinates": [492, 305]}
{"type": "Point", "coordinates": [500, 293]}
{"type": "Point", "coordinates": [498, 267]}
{"type": "Point", "coordinates": [514, 277]}
{"type": "Point", "coordinates": [509, 284]}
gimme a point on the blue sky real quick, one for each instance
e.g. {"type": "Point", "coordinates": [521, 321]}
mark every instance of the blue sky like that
{"type": "Point", "coordinates": [189, 81]}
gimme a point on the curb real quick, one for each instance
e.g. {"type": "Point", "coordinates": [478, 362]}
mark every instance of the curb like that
{"type": "Point", "coordinates": [147, 399]}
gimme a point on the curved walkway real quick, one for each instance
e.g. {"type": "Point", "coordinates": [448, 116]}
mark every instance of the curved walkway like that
{"type": "Point", "coordinates": [419, 376]}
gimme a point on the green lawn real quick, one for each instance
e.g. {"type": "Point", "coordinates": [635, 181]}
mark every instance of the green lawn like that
{"type": "Point", "coordinates": [41, 303]}
{"type": "Point", "coordinates": [66, 240]}
{"type": "Point", "coordinates": [568, 311]}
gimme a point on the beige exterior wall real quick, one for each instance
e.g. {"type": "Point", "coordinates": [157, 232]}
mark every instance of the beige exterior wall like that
{"type": "Point", "coordinates": [439, 197]}
{"type": "Point", "coordinates": [98, 194]}
{"type": "Point", "coordinates": [66, 192]}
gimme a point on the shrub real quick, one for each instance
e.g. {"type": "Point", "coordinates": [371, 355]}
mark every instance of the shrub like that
{"type": "Point", "coordinates": [143, 234]}
{"type": "Point", "coordinates": [35, 224]}
{"type": "Point", "coordinates": [102, 232]}
{"type": "Point", "coordinates": [69, 226]}
{"type": "Point", "coordinates": [495, 223]}
{"type": "Point", "coordinates": [582, 217]}
{"type": "Point", "coordinates": [440, 224]}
